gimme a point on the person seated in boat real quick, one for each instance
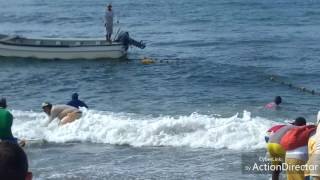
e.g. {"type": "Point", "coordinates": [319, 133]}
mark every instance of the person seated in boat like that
{"type": "Point", "coordinates": [6, 120]}
{"type": "Point", "coordinates": [65, 113]}
{"type": "Point", "coordinates": [13, 162]}
{"type": "Point", "coordinates": [109, 22]}
{"type": "Point", "coordinates": [75, 102]}
{"type": "Point", "coordinates": [275, 104]}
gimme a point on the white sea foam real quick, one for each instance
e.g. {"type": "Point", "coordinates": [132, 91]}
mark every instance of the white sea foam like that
{"type": "Point", "coordinates": [195, 130]}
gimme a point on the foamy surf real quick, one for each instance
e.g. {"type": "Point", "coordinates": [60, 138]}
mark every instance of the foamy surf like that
{"type": "Point", "coordinates": [195, 130]}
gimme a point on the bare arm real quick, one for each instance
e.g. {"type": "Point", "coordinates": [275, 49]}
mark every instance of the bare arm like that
{"type": "Point", "coordinates": [54, 114]}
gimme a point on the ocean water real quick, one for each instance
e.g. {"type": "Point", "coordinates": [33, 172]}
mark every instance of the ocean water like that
{"type": "Point", "coordinates": [191, 114]}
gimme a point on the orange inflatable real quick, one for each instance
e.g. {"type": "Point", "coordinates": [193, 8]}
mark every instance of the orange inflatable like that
{"type": "Point", "coordinates": [297, 137]}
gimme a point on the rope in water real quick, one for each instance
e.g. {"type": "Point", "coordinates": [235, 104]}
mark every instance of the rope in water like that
{"type": "Point", "coordinates": [299, 88]}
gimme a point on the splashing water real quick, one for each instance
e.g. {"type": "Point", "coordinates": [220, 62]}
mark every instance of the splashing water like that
{"type": "Point", "coordinates": [195, 130]}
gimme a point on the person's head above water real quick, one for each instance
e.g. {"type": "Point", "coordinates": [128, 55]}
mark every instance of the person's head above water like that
{"type": "Point", "coordinates": [75, 96]}
{"type": "Point", "coordinates": [13, 162]}
{"type": "Point", "coordinates": [277, 100]}
{"type": "Point", "coordinates": [299, 121]}
{"type": "Point", "coordinates": [109, 6]}
{"type": "Point", "coordinates": [3, 103]}
{"type": "Point", "coordinates": [46, 107]}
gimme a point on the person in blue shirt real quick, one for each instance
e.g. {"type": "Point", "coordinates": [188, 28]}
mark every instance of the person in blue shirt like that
{"type": "Point", "coordinates": [75, 102]}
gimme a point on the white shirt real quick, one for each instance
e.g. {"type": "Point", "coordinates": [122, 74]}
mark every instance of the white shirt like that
{"type": "Point", "coordinates": [109, 18]}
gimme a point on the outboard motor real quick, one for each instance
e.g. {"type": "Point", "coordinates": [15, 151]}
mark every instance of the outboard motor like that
{"type": "Point", "coordinates": [127, 41]}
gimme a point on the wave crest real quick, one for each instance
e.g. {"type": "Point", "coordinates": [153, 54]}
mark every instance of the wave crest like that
{"type": "Point", "coordinates": [195, 130]}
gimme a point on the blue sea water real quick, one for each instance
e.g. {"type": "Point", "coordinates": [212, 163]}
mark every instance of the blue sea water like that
{"type": "Point", "coordinates": [189, 115]}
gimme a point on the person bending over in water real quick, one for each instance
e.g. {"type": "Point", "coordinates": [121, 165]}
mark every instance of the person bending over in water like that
{"type": "Point", "coordinates": [275, 104]}
{"type": "Point", "coordinates": [75, 102]}
{"type": "Point", "coordinates": [65, 113]}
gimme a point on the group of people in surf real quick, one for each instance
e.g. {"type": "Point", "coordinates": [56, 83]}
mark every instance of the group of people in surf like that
{"type": "Point", "coordinates": [296, 144]}
{"type": "Point", "coordinates": [294, 147]}
{"type": "Point", "coordinates": [65, 113]}
{"type": "Point", "coordinates": [13, 160]}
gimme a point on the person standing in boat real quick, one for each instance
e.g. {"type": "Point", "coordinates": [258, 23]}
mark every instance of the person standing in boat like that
{"type": "Point", "coordinates": [109, 22]}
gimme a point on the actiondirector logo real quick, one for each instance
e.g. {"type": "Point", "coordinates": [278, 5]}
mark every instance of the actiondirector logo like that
{"type": "Point", "coordinates": [280, 167]}
{"type": "Point", "coordinates": [261, 164]}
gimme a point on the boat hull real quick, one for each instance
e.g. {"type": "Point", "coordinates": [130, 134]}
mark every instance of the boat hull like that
{"type": "Point", "coordinates": [113, 51]}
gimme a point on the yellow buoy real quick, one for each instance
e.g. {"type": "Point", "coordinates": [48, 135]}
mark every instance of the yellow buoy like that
{"type": "Point", "coordinates": [146, 60]}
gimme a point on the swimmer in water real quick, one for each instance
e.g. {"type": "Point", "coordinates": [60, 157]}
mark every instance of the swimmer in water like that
{"type": "Point", "coordinates": [275, 104]}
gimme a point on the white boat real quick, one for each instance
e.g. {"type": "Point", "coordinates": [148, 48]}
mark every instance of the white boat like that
{"type": "Point", "coordinates": [60, 48]}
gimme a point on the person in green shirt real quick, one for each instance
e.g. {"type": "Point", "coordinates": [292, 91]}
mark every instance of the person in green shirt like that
{"type": "Point", "coordinates": [6, 119]}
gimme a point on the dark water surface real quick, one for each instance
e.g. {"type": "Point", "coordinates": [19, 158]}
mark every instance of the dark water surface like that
{"type": "Point", "coordinates": [214, 58]}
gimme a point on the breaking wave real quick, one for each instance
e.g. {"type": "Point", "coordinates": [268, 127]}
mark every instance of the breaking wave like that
{"type": "Point", "coordinates": [195, 130]}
